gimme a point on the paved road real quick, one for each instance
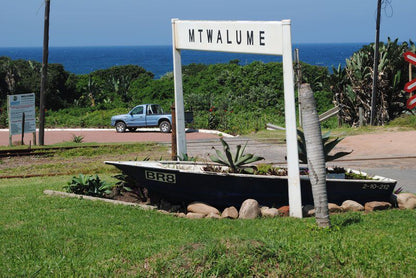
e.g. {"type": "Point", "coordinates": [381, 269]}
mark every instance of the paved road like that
{"type": "Point", "coordinates": [54, 136]}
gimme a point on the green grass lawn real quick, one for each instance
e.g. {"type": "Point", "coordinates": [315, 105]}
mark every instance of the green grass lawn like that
{"type": "Point", "coordinates": [43, 236]}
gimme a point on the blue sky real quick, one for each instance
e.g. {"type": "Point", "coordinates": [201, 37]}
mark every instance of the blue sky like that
{"type": "Point", "coordinates": [148, 22]}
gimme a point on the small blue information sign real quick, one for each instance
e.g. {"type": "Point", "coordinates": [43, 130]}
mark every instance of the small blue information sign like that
{"type": "Point", "coordinates": [21, 107]}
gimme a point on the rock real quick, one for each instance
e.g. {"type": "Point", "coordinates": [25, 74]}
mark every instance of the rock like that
{"type": "Point", "coordinates": [230, 212]}
{"type": "Point", "coordinates": [213, 215]}
{"type": "Point", "coordinates": [194, 215]}
{"type": "Point", "coordinates": [334, 208]}
{"type": "Point", "coordinates": [350, 205]}
{"type": "Point", "coordinates": [180, 214]}
{"type": "Point", "coordinates": [249, 209]}
{"type": "Point", "coordinates": [263, 208]}
{"type": "Point", "coordinates": [269, 212]}
{"type": "Point", "coordinates": [202, 208]}
{"type": "Point", "coordinates": [372, 206]}
{"type": "Point", "coordinates": [406, 200]}
{"type": "Point", "coordinates": [284, 211]}
{"type": "Point", "coordinates": [306, 210]}
{"type": "Point", "coordinates": [311, 213]}
{"type": "Point", "coordinates": [162, 211]}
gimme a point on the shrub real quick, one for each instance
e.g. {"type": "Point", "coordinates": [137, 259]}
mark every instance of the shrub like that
{"type": "Point", "coordinates": [88, 185]}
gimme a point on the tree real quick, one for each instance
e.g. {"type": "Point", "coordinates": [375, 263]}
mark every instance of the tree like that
{"type": "Point", "coordinates": [316, 158]}
{"type": "Point", "coordinates": [115, 82]}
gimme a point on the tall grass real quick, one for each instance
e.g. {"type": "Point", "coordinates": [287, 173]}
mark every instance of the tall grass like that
{"type": "Point", "coordinates": [404, 121]}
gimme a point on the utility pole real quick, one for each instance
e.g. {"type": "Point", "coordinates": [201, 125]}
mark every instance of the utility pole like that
{"type": "Point", "coordinates": [298, 70]}
{"type": "Point", "coordinates": [375, 67]}
{"type": "Point", "coordinates": [44, 74]}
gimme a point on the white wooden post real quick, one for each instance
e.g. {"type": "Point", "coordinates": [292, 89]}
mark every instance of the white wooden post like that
{"type": "Point", "coordinates": [179, 106]}
{"type": "Point", "coordinates": [260, 37]}
{"type": "Point", "coordinates": [295, 198]}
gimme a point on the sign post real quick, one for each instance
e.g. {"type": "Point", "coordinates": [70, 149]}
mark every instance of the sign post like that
{"type": "Point", "coordinates": [255, 37]}
{"type": "Point", "coordinates": [21, 114]}
{"type": "Point", "coordinates": [411, 85]}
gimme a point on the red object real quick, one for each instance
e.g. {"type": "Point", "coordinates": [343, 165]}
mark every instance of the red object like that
{"type": "Point", "coordinates": [410, 86]}
{"type": "Point", "coordinates": [410, 57]}
{"type": "Point", "coordinates": [411, 102]}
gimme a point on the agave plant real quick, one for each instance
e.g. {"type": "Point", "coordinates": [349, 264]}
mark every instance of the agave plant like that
{"type": "Point", "coordinates": [329, 145]}
{"type": "Point", "coordinates": [237, 161]}
{"type": "Point", "coordinates": [186, 157]}
{"type": "Point", "coordinates": [88, 185]}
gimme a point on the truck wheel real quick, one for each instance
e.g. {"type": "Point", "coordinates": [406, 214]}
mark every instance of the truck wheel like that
{"type": "Point", "coordinates": [120, 127]}
{"type": "Point", "coordinates": [165, 126]}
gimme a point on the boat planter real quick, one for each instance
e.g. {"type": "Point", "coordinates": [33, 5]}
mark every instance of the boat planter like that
{"type": "Point", "coordinates": [335, 175]}
{"type": "Point", "coordinates": [184, 182]}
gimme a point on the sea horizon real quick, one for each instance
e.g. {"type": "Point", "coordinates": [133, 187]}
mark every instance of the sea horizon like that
{"type": "Point", "coordinates": [151, 45]}
{"type": "Point", "coordinates": [158, 58]}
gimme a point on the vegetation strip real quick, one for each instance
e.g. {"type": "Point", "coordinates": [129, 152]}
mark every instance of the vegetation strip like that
{"type": "Point", "coordinates": [116, 202]}
{"type": "Point", "coordinates": [41, 151]}
{"type": "Point", "coordinates": [33, 176]}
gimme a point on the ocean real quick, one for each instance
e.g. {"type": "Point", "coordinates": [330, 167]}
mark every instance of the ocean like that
{"type": "Point", "coordinates": [158, 59]}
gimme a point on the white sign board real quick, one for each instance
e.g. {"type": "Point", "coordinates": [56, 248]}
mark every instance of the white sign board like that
{"type": "Point", "coordinates": [16, 106]}
{"type": "Point", "coordinates": [230, 36]}
{"type": "Point", "coordinates": [257, 37]}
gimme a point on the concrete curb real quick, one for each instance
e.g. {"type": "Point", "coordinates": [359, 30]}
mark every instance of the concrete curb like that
{"type": "Point", "coordinates": [115, 202]}
{"type": "Point", "coordinates": [189, 130]}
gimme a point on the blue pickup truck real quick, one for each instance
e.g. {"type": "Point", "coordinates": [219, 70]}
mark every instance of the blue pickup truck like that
{"type": "Point", "coordinates": [143, 115]}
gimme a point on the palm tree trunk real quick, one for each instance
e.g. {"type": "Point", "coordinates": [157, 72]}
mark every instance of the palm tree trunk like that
{"type": "Point", "coordinates": [316, 157]}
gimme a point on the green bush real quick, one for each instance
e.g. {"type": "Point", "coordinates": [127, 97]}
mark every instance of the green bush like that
{"type": "Point", "coordinates": [81, 117]}
{"type": "Point", "coordinates": [237, 122]}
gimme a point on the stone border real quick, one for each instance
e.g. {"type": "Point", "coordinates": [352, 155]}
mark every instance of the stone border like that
{"type": "Point", "coordinates": [115, 202]}
{"type": "Point", "coordinates": [250, 209]}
